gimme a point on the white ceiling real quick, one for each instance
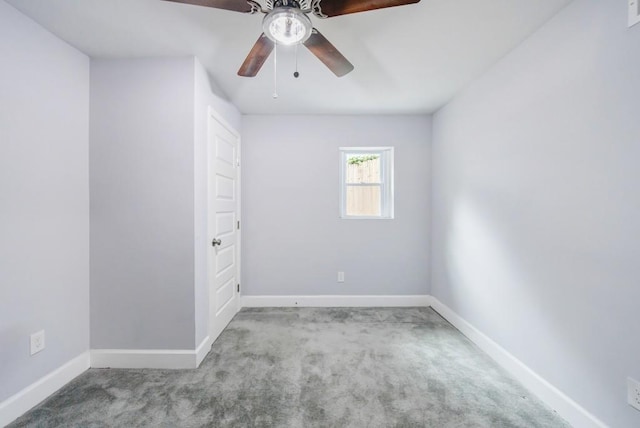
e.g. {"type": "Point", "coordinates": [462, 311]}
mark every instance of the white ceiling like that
{"type": "Point", "coordinates": [408, 59]}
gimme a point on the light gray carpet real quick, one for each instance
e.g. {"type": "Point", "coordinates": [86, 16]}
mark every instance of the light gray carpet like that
{"type": "Point", "coordinates": [310, 367]}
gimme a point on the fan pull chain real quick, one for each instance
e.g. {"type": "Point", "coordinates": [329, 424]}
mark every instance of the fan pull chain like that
{"type": "Point", "coordinates": [275, 71]}
{"type": "Point", "coordinates": [295, 73]}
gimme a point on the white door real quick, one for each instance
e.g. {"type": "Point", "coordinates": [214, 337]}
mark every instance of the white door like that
{"type": "Point", "coordinates": [223, 220]}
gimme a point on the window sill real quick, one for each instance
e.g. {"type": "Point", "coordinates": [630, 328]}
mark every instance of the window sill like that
{"type": "Point", "coordinates": [364, 218]}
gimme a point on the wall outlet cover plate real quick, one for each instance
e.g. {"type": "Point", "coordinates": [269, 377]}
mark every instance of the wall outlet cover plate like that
{"type": "Point", "coordinates": [37, 342]}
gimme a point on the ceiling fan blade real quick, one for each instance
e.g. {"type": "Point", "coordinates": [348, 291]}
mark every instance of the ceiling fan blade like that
{"type": "Point", "coordinates": [234, 5]}
{"type": "Point", "coordinates": [256, 58]}
{"type": "Point", "coordinates": [328, 54]}
{"type": "Point", "coordinates": [329, 8]}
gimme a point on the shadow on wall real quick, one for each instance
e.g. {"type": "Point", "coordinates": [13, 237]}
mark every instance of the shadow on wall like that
{"type": "Point", "coordinates": [216, 89]}
{"type": "Point", "coordinates": [508, 289]}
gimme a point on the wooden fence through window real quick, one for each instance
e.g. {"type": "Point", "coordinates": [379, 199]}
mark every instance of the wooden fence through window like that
{"type": "Point", "coordinates": [364, 200]}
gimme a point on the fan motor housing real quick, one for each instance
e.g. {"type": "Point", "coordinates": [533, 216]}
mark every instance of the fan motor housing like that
{"type": "Point", "coordinates": [286, 3]}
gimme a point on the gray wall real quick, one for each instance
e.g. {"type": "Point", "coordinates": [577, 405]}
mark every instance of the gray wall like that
{"type": "Point", "coordinates": [142, 202]}
{"type": "Point", "coordinates": [293, 242]}
{"type": "Point", "coordinates": [44, 200]}
{"type": "Point", "coordinates": [537, 209]}
{"type": "Point", "coordinates": [148, 202]}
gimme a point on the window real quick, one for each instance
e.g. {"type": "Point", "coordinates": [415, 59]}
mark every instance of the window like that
{"type": "Point", "coordinates": [366, 182]}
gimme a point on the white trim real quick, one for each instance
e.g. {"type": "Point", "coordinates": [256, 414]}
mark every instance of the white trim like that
{"type": "Point", "coordinates": [142, 359]}
{"type": "Point", "coordinates": [634, 12]}
{"type": "Point", "coordinates": [386, 185]}
{"type": "Point", "coordinates": [18, 404]}
{"type": "Point", "coordinates": [151, 358]}
{"type": "Point", "coordinates": [239, 230]}
{"type": "Point", "coordinates": [335, 301]}
{"type": "Point", "coordinates": [571, 411]}
{"type": "Point", "coordinates": [203, 350]}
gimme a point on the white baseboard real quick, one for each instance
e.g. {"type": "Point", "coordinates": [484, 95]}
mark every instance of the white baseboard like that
{"type": "Point", "coordinates": [16, 405]}
{"type": "Point", "coordinates": [150, 358]}
{"type": "Point", "coordinates": [571, 411]}
{"type": "Point", "coordinates": [203, 350]}
{"type": "Point", "coordinates": [334, 301]}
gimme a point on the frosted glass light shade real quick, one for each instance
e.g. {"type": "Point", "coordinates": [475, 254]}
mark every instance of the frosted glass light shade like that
{"type": "Point", "coordinates": [287, 26]}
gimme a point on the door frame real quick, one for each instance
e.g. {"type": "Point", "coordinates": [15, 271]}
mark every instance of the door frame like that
{"type": "Point", "coordinates": [213, 114]}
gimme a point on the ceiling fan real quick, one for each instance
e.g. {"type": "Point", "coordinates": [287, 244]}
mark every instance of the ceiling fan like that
{"type": "Point", "coordinates": [286, 23]}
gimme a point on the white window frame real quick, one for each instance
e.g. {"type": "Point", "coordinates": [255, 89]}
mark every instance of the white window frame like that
{"type": "Point", "coordinates": [386, 181]}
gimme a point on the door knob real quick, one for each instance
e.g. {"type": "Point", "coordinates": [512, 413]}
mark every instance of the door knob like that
{"type": "Point", "coordinates": [216, 242]}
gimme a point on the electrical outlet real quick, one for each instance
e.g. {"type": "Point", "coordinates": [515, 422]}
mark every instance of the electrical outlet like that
{"type": "Point", "coordinates": [37, 342]}
{"type": "Point", "coordinates": [633, 393]}
{"type": "Point", "coordinates": [340, 276]}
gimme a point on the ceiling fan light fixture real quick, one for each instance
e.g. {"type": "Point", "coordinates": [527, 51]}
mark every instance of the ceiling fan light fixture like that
{"type": "Point", "coordinates": [287, 26]}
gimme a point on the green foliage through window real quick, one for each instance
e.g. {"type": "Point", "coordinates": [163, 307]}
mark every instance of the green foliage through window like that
{"type": "Point", "coordinates": [358, 160]}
